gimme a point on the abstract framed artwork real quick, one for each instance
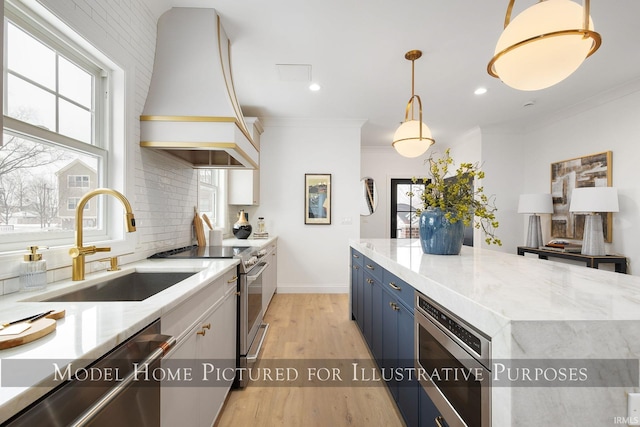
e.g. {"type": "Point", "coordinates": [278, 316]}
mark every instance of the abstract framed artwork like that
{"type": "Point", "coordinates": [588, 171]}
{"type": "Point", "coordinates": [317, 198]}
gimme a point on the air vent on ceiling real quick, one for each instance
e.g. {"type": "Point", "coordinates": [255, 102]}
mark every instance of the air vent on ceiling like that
{"type": "Point", "coordinates": [294, 72]}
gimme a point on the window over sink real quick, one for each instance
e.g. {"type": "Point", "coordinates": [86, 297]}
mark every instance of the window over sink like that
{"type": "Point", "coordinates": [58, 133]}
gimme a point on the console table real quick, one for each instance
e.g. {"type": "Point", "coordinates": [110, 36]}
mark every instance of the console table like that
{"type": "Point", "coordinates": [591, 261]}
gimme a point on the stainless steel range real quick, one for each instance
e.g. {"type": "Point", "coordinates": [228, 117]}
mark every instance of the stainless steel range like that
{"type": "Point", "coordinates": [251, 329]}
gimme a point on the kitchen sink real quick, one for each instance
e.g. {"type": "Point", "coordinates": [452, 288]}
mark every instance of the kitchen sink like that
{"type": "Point", "coordinates": [135, 286]}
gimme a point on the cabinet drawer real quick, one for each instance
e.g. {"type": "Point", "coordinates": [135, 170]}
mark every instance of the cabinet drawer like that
{"type": "Point", "coordinates": [398, 287]}
{"type": "Point", "coordinates": [373, 269]}
{"type": "Point", "coordinates": [183, 316]}
{"type": "Point", "coordinates": [357, 257]}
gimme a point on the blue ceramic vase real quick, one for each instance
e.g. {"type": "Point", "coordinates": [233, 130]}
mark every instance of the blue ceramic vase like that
{"type": "Point", "coordinates": [438, 236]}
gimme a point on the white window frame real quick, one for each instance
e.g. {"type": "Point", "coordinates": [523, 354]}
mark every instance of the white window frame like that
{"type": "Point", "coordinates": [113, 127]}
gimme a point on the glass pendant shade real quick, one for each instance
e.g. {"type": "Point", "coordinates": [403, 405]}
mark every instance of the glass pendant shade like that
{"type": "Point", "coordinates": [413, 137]}
{"type": "Point", "coordinates": [544, 45]}
{"type": "Point", "coordinates": [407, 140]}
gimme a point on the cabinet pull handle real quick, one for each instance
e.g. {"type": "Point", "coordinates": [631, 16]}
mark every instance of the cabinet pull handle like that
{"type": "Point", "coordinates": [207, 326]}
{"type": "Point", "coordinates": [394, 306]}
{"type": "Point", "coordinates": [370, 267]}
{"type": "Point", "coordinates": [356, 267]}
{"type": "Point", "coordinates": [439, 420]}
{"type": "Point", "coordinates": [238, 293]}
{"type": "Point", "coordinates": [394, 286]}
{"type": "Point", "coordinates": [356, 256]}
{"type": "Point", "coordinates": [369, 281]}
{"type": "Point", "coordinates": [202, 332]}
{"type": "Point", "coordinates": [233, 279]}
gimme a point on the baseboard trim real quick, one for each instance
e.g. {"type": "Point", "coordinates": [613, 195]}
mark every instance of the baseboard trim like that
{"type": "Point", "coordinates": [292, 288]}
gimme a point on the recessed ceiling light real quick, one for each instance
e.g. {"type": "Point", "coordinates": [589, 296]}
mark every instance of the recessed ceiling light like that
{"type": "Point", "coordinates": [314, 87]}
{"type": "Point", "coordinates": [480, 91]}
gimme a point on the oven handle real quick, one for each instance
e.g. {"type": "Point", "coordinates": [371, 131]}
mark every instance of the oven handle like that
{"type": "Point", "coordinates": [252, 277]}
{"type": "Point", "coordinates": [87, 416]}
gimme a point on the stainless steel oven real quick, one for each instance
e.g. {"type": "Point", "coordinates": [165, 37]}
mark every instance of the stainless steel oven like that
{"type": "Point", "coordinates": [252, 330]}
{"type": "Point", "coordinates": [453, 360]}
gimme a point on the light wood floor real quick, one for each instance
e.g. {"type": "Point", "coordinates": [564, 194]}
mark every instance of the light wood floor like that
{"type": "Point", "coordinates": [311, 326]}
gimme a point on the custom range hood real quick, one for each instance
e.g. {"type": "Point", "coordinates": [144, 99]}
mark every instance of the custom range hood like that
{"type": "Point", "coordinates": [191, 110]}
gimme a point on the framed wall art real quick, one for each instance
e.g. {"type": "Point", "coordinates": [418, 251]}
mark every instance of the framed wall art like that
{"type": "Point", "coordinates": [588, 171]}
{"type": "Point", "coordinates": [317, 198]}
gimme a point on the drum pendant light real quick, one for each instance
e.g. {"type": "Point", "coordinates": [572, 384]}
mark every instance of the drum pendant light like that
{"type": "Point", "coordinates": [413, 137]}
{"type": "Point", "coordinates": [544, 44]}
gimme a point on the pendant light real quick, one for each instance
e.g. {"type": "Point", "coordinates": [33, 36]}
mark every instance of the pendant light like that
{"type": "Point", "coordinates": [413, 137]}
{"type": "Point", "coordinates": [544, 44]}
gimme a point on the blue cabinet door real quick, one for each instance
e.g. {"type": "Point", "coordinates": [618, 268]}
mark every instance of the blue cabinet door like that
{"type": "Point", "coordinates": [389, 342]}
{"type": "Point", "coordinates": [354, 291]}
{"type": "Point", "coordinates": [376, 322]}
{"type": "Point", "coordinates": [367, 321]}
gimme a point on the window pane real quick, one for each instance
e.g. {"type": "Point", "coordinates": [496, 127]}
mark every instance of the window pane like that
{"type": "Point", "coordinates": [75, 83]}
{"type": "Point", "coordinates": [31, 104]}
{"type": "Point", "coordinates": [75, 122]}
{"type": "Point", "coordinates": [34, 195]}
{"type": "Point", "coordinates": [30, 58]}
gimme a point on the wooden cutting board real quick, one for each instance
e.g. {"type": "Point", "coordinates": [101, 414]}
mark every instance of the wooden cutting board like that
{"type": "Point", "coordinates": [197, 223]}
{"type": "Point", "coordinates": [38, 329]}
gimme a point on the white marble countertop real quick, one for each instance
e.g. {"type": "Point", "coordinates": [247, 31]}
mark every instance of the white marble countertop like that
{"type": "Point", "coordinates": [532, 309]}
{"type": "Point", "coordinates": [91, 329]}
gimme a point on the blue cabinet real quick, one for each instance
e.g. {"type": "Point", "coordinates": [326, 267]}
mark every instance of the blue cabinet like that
{"type": "Point", "coordinates": [382, 306]}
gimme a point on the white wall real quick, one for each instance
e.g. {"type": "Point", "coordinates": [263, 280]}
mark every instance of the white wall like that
{"type": "Point", "coordinates": [311, 258]}
{"type": "Point", "coordinates": [611, 126]}
{"type": "Point", "coordinates": [382, 164]}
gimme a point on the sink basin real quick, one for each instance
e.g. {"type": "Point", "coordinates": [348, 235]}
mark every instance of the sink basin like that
{"type": "Point", "coordinates": [135, 286]}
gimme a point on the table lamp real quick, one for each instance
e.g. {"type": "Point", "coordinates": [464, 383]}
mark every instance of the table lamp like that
{"type": "Point", "coordinates": [592, 200]}
{"type": "Point", "coordinates": [535, 204]}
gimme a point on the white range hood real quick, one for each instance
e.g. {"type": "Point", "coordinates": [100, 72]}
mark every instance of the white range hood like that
{"type": "Point", "coordinates": [191, 110]}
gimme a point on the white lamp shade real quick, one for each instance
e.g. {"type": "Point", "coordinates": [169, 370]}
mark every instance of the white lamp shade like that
{"type": "Point", "coordinates": [407, 141]}
{"type": "Point", "coordinates": [545, 61]}
{"type": "Point", "coordinates": [594, 199]}
{"type": "Point", "coordinates": [535, 203]}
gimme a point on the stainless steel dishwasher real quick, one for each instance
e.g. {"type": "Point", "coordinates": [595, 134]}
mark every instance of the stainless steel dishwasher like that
{"type": "Point", "coordinates": [124, 401]}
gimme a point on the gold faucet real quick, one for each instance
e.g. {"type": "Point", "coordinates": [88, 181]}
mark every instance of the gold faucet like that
{"type": "Point", "coordinates": [79, 251]}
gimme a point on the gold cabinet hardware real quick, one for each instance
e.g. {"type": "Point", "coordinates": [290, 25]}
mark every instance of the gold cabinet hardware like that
{"type": "Point", "coordinates": [370, 267]}
{"type": "Point", "coordinates": [207, 326]}
{"type": "Point", "coordinates": [356, 256]}
{"type": "Point", "coordinates": [238, 293]}
{"type": "Point", "coordinates": [233, 279]}
{"type": "Point", "coordinates": [202, 332]}
{"type": "Point", "coordinates": [369, 281]}
{"type": "Point", "coordinates": [439, 420]}
{"type": "Point", "coordinates": [394, 286]}
{"type": "Point", "coordinates": [394, 306]}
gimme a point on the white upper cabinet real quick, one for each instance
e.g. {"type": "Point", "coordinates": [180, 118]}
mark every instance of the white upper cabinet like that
{"type": "Point", "coordinates": [244, 184]}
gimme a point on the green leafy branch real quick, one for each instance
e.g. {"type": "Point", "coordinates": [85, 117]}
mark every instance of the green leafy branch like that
{"type": "Point", "coordinates": [458, 198]}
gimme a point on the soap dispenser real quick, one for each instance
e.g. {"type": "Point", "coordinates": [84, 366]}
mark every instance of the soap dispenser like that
{"type": "Point", "coordinates": [33, 271]}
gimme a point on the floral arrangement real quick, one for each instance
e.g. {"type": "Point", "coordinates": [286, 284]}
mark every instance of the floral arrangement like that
{"type": "Point", "coordinates": [457, 197]}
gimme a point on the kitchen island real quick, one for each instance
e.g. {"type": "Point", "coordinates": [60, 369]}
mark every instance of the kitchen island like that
{"type": "Point", "coordinates": [537, 311]}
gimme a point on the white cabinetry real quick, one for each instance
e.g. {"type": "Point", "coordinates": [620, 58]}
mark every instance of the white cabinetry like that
{"type": "Point", "coordinates": [269, 284]}
{"type": "Point", "coordinates": [244, 184]}
{"type": "Point", "coordinates": [244, 187]}
{"type": "Point", "coordinates": [206, 329]}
